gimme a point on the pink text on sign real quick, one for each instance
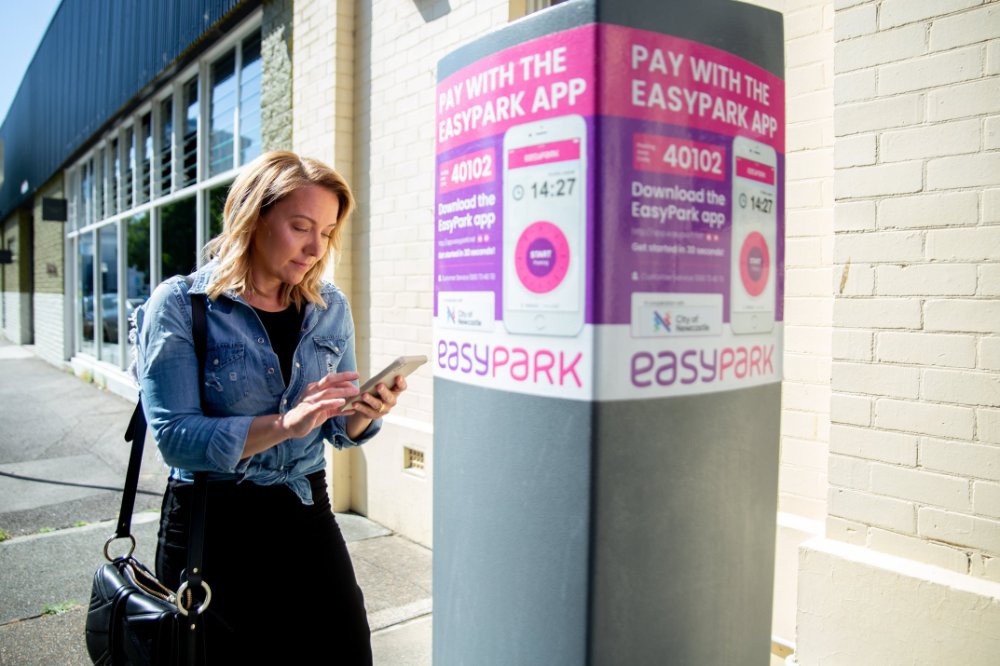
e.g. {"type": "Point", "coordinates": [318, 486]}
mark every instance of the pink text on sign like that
{"type": "Point", "coordinates": [544, 153]}
{"type": "Point", "coordinates": [467, 170]}
{"type": "Point", "coordinates": [667, 154]}
{"type": "Point", "coordinates": [762, 173]}
{"type": "Point", "coordinates": [675, 81]}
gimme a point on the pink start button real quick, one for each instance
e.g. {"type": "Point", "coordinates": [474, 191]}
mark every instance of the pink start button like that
{"type": "Point", "coordinates": [541, 257]}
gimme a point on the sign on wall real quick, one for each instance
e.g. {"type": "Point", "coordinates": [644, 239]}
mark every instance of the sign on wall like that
{"type": "Point", "coordinates": [627, 208]}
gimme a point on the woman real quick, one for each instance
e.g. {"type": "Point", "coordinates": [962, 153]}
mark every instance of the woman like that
{"type": "Point", "coordinates": [280, 362]}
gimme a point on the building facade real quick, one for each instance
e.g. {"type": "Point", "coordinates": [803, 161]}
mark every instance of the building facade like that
{"type": "Point", "coordinates": [889, 497]}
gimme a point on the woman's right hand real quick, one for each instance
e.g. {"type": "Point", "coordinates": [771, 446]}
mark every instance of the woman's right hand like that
{"type": "Point", "coordinates": [321, 400]}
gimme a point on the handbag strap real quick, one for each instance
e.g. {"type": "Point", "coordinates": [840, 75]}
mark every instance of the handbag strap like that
{"type": "Point", "coordinates": [136, 434]}
{"type": "Point", "coordinates": [196, 537]}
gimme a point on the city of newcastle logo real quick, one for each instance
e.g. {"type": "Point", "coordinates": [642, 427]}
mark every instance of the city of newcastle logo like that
{"type": "Point", "coordinates": [450, 313]}
{"type": "Point", "coordinates": [661, 322]}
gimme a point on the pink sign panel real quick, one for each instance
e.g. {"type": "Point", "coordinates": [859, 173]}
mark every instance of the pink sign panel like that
{"type": "Point", "coordinates": [543, 153]}
{"type": "Point", "coordinates": [547, 77]}
{"type": "Point", "coordinates": [754, 171]}
{"type": "Point", "coordinates": [676, 81]}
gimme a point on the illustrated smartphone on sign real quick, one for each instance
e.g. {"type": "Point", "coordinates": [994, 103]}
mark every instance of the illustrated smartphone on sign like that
{"type": "Point", "coordinates": [544, 217]}
{"type": "Point", "coordinates": [754, 234]}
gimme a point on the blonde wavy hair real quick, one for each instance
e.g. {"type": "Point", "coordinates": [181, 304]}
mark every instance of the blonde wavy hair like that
{"type": "Point", "coordinates": [263, 183]}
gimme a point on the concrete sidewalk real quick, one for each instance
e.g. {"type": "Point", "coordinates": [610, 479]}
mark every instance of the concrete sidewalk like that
{"type": "Point", "coordinates": [61, 458]}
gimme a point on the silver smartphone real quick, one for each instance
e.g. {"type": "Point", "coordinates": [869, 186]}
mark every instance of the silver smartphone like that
{"type": "Point", "coordinates": [401, 367]}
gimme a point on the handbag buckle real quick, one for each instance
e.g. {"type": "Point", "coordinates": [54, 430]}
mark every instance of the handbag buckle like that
{"type": "Point", "coordinates": [115, 537]}
{"type": "Point", "coordinates": [201, 607]}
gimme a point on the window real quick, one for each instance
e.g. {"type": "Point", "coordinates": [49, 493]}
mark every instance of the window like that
{"type": "Point", "coordinates": [138, 278]}
{"type": "Point", "coordinates": [113, 178]}
{"type": "Point", "coordinates": [145, 158]}
{"type": "Point", "coordinates": [234, 97]}
{"type": "Point", "coordinates": [99, 184]}
{"type": "Point", "coordinates": [85, 296]}
{"type": "Point", "coordinates": [216, 204]}
{"type": "Point", "coordinates": [86, 191]}
{"type": "Point", "coordinates": [190, 149]}
{"type": "Point", "coordinates": [166, 144]}
{"type": "Point", "coordinates": [519, 8]}
{"type": "Point", "coordinates": [179, 251]}
{"type": "Point", "coordinates": [108, 302]}
{"type": "Point", "coordinates": [138, 196]}
{"type": "Point", "coordinates": [128, 177]}
{"type": "Point", "coordinates": [223, 114]}
{"type": "Point", "coordinates": [250, 100]}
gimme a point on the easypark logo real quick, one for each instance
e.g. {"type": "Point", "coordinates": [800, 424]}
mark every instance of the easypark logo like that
{"type": "Point", "coordinates": [666, 368]}
{"type": "Point", "coordinates": [534, 366]}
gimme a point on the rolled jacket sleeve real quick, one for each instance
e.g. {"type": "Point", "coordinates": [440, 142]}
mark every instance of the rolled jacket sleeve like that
{"type": "Point", "coordinates": [169, 384]}
{"type": "Point", "coordinates": [335, 432]}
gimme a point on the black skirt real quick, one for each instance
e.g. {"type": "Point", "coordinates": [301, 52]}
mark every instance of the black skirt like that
{"type": "Point", "coordinates": [283, 586]}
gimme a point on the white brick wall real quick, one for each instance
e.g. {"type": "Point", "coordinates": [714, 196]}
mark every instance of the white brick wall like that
{"type": "Point", "coordinates": [16, 316]}
{"type": "Point", "coordinates": [393, 113]}
{"type": "Point", "coordinates": [396, 108]}
{"type": "Point", "coordinates": [809, 95]}
{"type": "Point", "coordinates": [322, 103]}
{"type": "Point", "coordinates": [50, 330]}
{"type": "Point", "coordinates": [914, 456]}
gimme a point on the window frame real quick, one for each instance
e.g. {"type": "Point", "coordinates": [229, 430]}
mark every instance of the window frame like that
{"type": "Point", "coordinates": [86, 219]}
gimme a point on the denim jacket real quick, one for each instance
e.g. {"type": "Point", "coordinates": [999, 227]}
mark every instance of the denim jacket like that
{"type": "Point", "coordinates": [242, 379]}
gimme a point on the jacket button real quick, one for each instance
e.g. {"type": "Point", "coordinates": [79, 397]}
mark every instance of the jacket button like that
{"type": "Point", "coordinates": [336, 349]}
{"type": "Point", "coordinates": [260, 341]}
{"type": "Point", "coordinates": [270, 371]}
{"type": "Point", "coordinates": [298, 365]}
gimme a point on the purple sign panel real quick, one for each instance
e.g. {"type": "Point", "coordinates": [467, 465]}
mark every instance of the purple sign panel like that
{"type": "Point", "coordinates": [628, 210]}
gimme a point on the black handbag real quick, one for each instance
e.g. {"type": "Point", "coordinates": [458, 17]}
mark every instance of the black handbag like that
{"type": "Point", "coordinates": [133, 618]}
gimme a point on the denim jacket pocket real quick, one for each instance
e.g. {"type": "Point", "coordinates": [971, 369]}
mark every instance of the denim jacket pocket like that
{"type": "Point", "coordinates": [328, 353]}
{"type": "Point", "coordinates": [225, 374]}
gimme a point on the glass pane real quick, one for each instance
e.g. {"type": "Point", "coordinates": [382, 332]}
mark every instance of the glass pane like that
{"type": "Point", "coordinates": [85, 295]}
{"type": "Point", "coordinates": [86, 185]}
{"type": "Point", "coordinates": [145, 158]}
{"type": "Point", "coordinates": [114, 177]}
{"type": "Point", "coordinates": [99, 184]}
{"type": "Point", "coordinates": [166, 142]}
{"type": "Point", "coordinates": [190, 153]}
{"type": "Point", "coordinates": [216, 204]}
{"type": "Point", "coordinates": [177, 238]}
{"type": "Point", "coordinates": [137, 275]}
{"type": "Point", "coordinates": [250, 100]}
{"type": "Point", "coordinates": [223, 106]}
{"type": "Point", "coordinates": [74, 200]}
{"type": "Point", "coordinates": [129, 169]}
{"type": "Point", "coordinates": [108, 238]}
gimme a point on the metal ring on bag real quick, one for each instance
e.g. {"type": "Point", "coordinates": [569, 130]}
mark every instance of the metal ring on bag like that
{"type": "Point", "coordinates": [204, 604]}
{"type": "Point", "coordinates": [114, 537]}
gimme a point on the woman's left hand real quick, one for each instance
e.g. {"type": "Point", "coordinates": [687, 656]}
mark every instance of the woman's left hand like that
{"type": "Point", "coordinates": [375, 407]}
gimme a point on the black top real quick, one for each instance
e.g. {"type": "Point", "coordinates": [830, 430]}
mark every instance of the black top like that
{"type": "Point", "coordinates": [283, 331]}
